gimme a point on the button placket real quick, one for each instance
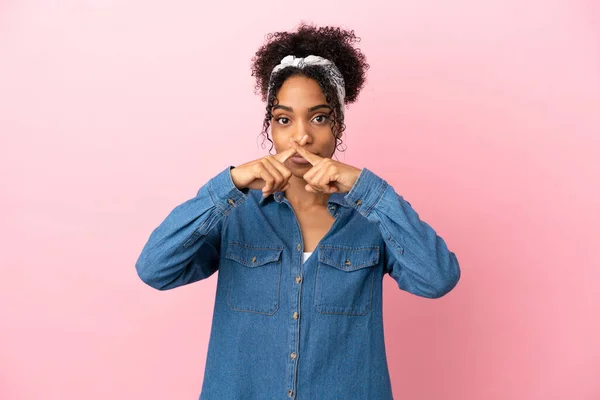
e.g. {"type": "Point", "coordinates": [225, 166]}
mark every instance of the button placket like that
{"type": "Point", "coordinates": [294, 321]}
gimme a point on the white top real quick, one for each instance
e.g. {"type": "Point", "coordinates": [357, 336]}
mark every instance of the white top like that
{"type": "Point", "coordinates": [305, 256]}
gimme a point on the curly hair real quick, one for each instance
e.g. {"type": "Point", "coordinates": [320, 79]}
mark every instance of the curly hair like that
{"type": "Point", "coordinates": [332, 43]}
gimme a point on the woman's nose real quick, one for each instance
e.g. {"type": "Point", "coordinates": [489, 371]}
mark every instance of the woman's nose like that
{"type": "Point", "coordinates": [302, 129]}
{"type": "Point", "coordinates": [301, 139]}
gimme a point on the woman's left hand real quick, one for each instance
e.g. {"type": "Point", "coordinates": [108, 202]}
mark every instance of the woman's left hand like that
{"type": "Point", "coordinates": [327, 175]}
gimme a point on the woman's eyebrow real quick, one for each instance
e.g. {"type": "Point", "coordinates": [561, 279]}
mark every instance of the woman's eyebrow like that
{"type": "Point", "coordinates": [286, 108]}
{"type": "Point", "coordinates": [319, 106]}
{"type": "Point", "coordinates": [290, 109]}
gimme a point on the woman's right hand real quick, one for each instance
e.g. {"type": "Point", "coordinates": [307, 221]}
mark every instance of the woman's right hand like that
{"type": "Point", "coordinates": [267, 173]}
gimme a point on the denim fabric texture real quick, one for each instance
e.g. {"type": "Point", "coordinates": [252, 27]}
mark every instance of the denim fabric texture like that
{"type": "Point", "coordinates": [286, 329]}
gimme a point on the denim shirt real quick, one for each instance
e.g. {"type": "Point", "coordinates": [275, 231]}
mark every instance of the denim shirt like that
{"type": "Point", "coordinates": [286, 329]}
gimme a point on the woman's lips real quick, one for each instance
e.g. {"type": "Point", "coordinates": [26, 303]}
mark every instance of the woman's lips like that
{"type": "Point", "coordinates": [299, 160]}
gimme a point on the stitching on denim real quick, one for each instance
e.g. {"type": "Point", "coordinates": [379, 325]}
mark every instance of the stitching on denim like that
{"type": "Point", "coordinates": [276, 254]}
{"type": "Point", "coordinates": [212, 198]}
{"type": "Point", "coordinates": [337, 265]}
{"type": "Point", "coordinates": [323, 308]}
{"type": "Point", "coordinates": [394, 242]}
{"type": "Point", "coordinates": [377, 198]}
{"type": "Point", "coordinates": [255, 247]}
{"type": "Point", "coordinates": [196, 234]}
{"type": "Point", "coordinates": [276, 303]}
{"type": "Point", "coordinates": [356, 185]}
{"type": "Point", "coordinates": [349, 268]}
{"type": "Point", "coordinates": [349, 248]}
{"type": "Point", "coordinates": [257, 263]}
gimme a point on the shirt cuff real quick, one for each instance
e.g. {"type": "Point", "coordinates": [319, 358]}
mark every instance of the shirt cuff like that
{"type": "Point", "coordinates": [366, 192]}
{"type": "Point", "coordinates": [224, 193]}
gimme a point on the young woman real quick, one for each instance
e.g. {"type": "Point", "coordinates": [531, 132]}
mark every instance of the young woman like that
{"type": "Point", "coordinates": [301, 241]}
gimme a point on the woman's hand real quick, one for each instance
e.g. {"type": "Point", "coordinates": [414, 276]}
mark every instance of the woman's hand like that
{"type": "Point", "coordinates": [267, 173]}
{"type": "Point", "coordinates": [326, 175]}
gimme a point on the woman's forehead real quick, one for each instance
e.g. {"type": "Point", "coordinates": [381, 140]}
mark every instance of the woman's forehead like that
{"type": "Point", "coordinates": [301, 92]}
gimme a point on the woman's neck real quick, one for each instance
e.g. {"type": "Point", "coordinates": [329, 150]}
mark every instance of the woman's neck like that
{"type": "Point", "coordinates": [302, 199]}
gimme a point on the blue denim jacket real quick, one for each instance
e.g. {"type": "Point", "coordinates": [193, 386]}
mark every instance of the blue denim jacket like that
{"type": "Point", "coordinates": [286, 329]}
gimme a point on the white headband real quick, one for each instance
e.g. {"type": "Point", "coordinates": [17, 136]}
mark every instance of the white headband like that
{"type": "Point", "coordinates": [334, 74]}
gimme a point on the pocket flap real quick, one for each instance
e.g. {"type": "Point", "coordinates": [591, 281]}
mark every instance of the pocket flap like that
{"type": "Point", "coordinates": [252, 256]}
{"type": "Point", "coordinates": [348, 258]}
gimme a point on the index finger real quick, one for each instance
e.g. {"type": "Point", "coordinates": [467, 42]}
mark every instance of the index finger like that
{"type": "Point", "coordinates": [307, 155]}
{"type": "Point", "coordinates": [284, 155]}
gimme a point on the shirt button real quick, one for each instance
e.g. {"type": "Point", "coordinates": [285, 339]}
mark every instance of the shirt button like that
{"type": "Point", "coordinates": [358, 202]}
{"type": "Point", "coordinates": [290, 393]}
{"type": "Point", "coordinates": [254, 259]}
{"type": "Point", "coordinates": [230, 201]}
{"type": "Point", "coordinates": [295, 315]}
{"type": "Point", "coordinates": [299, 246]}
{"type": "Point", "coordinates": [348, 263]}
{"type": "Point", "coordinates": [298, 279]}
{"type": "Point", "coordinates": [293, 356]}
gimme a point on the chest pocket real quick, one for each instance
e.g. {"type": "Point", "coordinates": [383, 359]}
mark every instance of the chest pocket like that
{"type": "Point", "coordinates": [345, 279]}
{"type": "Point", "coordinates": [254, 278]}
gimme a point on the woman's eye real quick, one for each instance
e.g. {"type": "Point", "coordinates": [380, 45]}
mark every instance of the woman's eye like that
{"type": "Point", "coordinates": [282, 120]}
{"type": "Point", "coordinates": [321, 118]}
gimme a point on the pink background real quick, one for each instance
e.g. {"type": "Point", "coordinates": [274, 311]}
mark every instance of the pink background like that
{"type": "Point", "coordinates": [486, 117]}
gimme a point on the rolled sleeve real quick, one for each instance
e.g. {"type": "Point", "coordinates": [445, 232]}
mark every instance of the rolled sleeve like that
{"type": "Point", "coordinates": [366, 192]}
{"type": "Point", "coordinates": [225, 195]}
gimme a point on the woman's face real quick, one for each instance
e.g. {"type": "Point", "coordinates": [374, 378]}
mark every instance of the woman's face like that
{"type": "Point", "coordinates": [302, 110]}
